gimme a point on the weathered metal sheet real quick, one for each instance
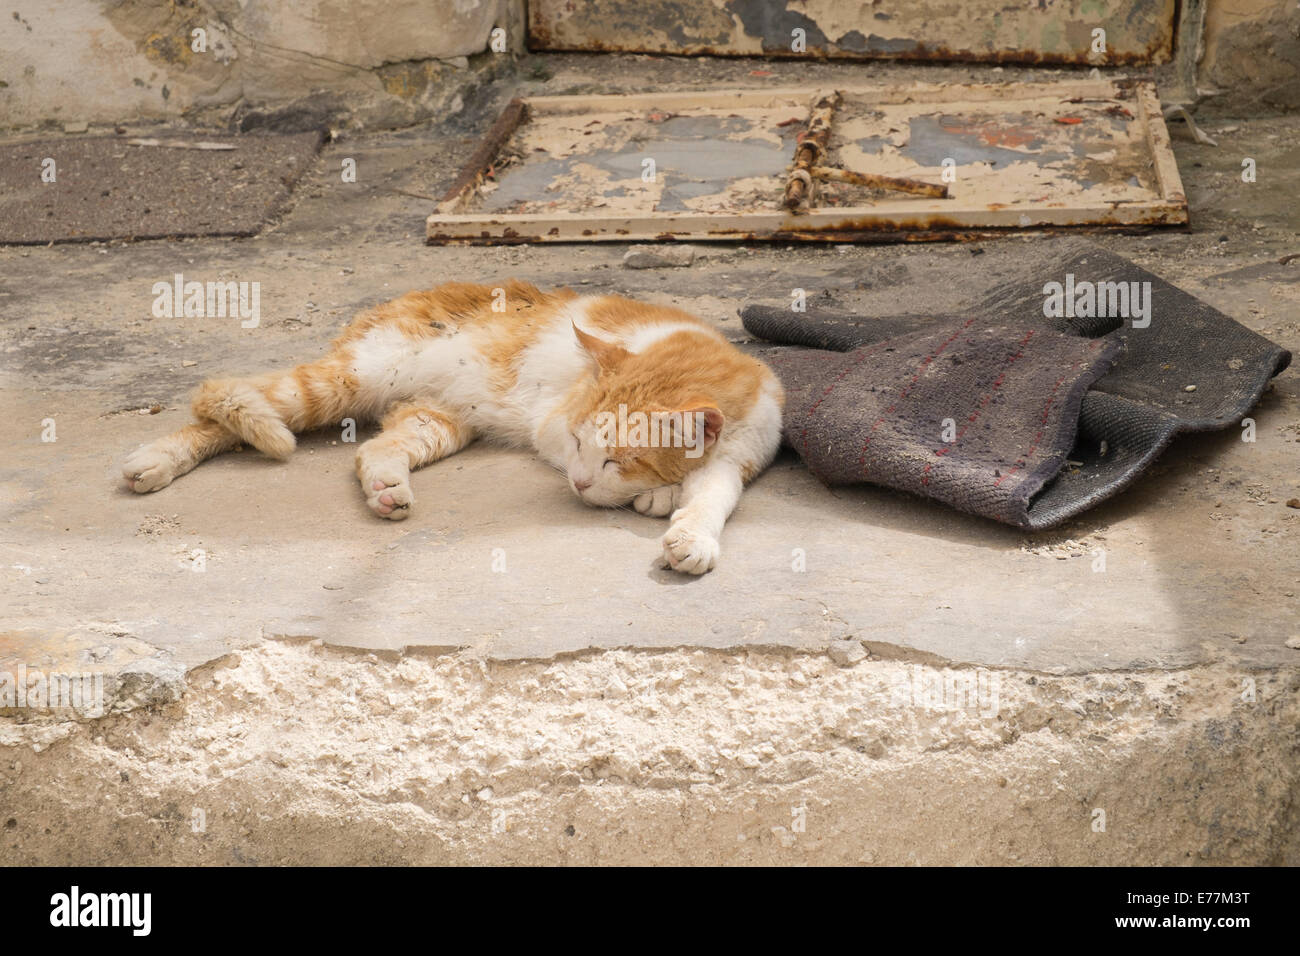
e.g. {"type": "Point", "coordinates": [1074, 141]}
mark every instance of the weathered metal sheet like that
{"type": "Point", "coordinates": [1045, 31]}
{"type": "Point", "coordinates": [717, 164]}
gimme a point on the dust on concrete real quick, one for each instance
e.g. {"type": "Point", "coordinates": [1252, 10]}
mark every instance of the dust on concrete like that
{"type": "Point", "coordinates": [157, 524]}
{"type": "Point", "coordinates": [79, 343]}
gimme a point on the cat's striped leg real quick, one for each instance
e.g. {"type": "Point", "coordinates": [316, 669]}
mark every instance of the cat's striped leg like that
{"type": "Point", "coordinates": [263, 411]}
{"type": "Point", "coordinates": [156, 464]}
{"type": "Point", "coordinates": [414, 435]}
{"type": "Point", "coordinates": [267, 410]}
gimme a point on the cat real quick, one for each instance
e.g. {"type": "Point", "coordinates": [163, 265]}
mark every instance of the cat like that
{"type": "Point", "coordinates": [576, 378]}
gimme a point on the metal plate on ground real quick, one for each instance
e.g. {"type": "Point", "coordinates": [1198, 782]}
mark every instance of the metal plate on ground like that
{"type": "Point", "coordinates": [74, 189]}
{"type": "Point", "coordinates": [716, 165]}
{"type": "Point", "coordinates": [1135, 31]}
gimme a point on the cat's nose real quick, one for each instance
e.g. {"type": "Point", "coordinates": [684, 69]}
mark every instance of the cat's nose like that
{"type": "Point", "coordinates": [582, 485]}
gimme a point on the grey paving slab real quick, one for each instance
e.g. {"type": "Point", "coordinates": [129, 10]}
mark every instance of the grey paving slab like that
{"type": "Point", "coordinates": [1201, 560]}
{"type": "Point", "coordinates": [76, 188]}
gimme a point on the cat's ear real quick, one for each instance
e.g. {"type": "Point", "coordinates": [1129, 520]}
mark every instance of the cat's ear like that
{"type": "Point", "coordinates": [710, 416]}
{"type": "Point", "coordinates": [605, 354]}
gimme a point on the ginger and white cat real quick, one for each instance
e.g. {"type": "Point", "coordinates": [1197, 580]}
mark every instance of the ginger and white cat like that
{"type": "Point", "coordinates": [553, 371]}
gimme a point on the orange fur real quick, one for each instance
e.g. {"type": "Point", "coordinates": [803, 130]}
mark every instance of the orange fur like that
{"type": "Point", "coordinates": [681, 373]}
{"type": "Point", "coordinates": [440, 367]}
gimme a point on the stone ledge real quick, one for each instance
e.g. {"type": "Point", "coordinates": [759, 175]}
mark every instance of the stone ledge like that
{"type": "Point", "coordinates": [298, 753]}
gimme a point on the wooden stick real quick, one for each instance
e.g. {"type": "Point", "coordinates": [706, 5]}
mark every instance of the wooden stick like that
{"type": "Point", "coordinates": [897, 183]}
{"type": "Point", "coordinates": [174, 144]}
{"type": "Point", "coordinates": [812, 147]}
{"type": "Point", "coordinates": [476, 168]}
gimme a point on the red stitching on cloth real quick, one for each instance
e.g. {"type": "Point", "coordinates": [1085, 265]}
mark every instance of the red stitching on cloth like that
{"type": "Point", "coordinates": [988, 397]}
{"type": "Point", "coordinates": [1047, 409]}
{"type": "Point", "coordinates": [862, 457]}
{"type": "Point", "coordinates": [803, 433]}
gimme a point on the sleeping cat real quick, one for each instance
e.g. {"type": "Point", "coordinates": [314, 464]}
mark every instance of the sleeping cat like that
{"type": "Point", "coordinates": [635, 404]}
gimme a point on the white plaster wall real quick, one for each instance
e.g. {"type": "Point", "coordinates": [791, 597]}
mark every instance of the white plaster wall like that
{"type": "Point", "coordinates": [79, 60]}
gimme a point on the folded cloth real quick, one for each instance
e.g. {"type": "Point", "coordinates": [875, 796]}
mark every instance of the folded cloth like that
{"type": "Point", "coordinates": [1030, 408]}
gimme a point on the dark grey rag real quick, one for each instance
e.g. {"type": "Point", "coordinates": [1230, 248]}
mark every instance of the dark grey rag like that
{"type": "Point", "coordinates": [983, 411]}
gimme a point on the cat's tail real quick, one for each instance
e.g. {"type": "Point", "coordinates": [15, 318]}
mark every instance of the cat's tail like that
{"type": "Point", "coordinates": [266, 411]}
{"type": "Point", "coordinates": [242, 408]}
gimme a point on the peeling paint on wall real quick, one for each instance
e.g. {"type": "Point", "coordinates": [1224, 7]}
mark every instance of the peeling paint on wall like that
{"type": "Point", "coordinates": [1137, 31]}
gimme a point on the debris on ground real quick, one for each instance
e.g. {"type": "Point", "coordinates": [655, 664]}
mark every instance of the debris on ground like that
{"type": "Point", "coordinates": [658, 257]}
{"type": "Point", "coordinates": [846, 653]}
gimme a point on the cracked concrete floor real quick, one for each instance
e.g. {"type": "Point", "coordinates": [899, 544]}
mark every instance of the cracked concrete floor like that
{"type": "Point", "coordinates": [1202, 566]}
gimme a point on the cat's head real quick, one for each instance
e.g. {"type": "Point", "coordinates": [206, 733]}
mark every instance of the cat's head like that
{"type": "Point", "coordinates": [639, 421]}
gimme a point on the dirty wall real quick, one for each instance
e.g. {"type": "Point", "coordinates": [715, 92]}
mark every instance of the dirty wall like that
{"type": "Point", "coordinates": [294, 61]}
{"type": "Point", "coordinates": [296, 64]}
{"type": "Point", "coordinates": [1252, 55]}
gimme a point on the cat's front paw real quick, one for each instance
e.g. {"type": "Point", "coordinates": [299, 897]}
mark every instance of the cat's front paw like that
{"type": "Point", "coordinates": [690, 551]}
{"type": "Point", "coordinates": [149, 468]}
{"type": "Point", "coordinates": [658, 502]}
{"type": "Point", "coordinates": [390, 498]}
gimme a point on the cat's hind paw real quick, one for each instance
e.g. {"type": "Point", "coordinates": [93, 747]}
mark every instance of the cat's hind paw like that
{"type": "Point", "coordinates": [149, 468]}
{"type": "Point", "coordinates": [690, 551]}
{"type": "Point", "coordinates": [658, 502]}
{"type": "Point", "coordinates": [390, 498]}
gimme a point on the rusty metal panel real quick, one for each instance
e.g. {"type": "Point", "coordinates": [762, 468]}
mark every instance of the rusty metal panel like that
{"type": "Point", "coordinates": [922, 161]}
{"type": "Point", "coordinates": [1045, 31]}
